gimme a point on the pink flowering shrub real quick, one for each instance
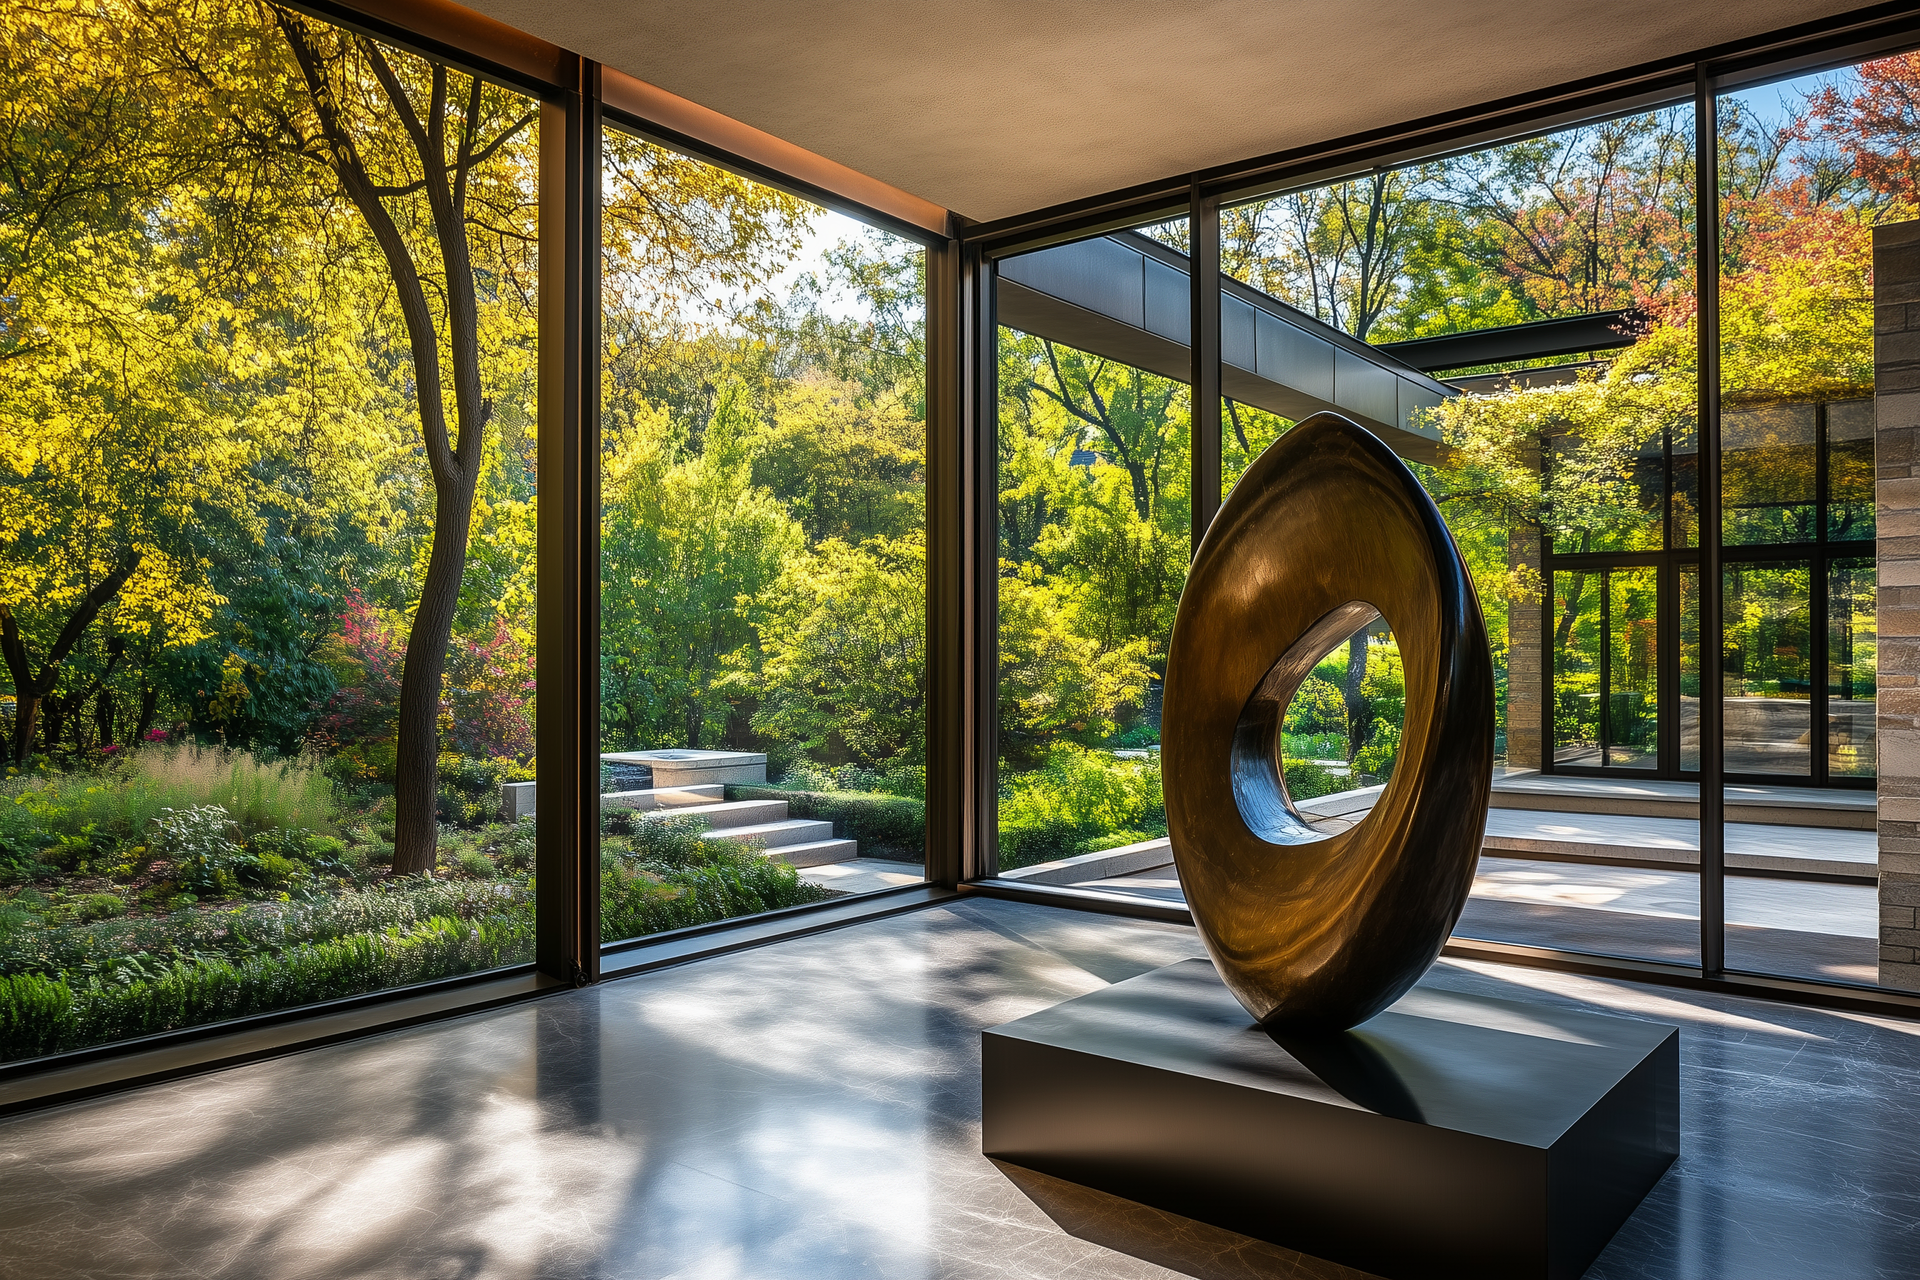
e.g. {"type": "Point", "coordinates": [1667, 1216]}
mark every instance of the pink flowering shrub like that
{"type": "Point", "coordinates": [486, 701]}
{"type": "Point", "coordinates": [486, 694]}
{"type": "Point", "coordinates": [361, 722]}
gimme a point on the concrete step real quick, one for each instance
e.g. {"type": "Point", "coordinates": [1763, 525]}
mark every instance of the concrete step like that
{"type": "Point", "coordinates": [663, 798]}
{"type": "Point", "coordinates": [1635, 841]}
{"type": "Point", "coordinates": [1769, 805]}
{"type": "Point", "coordinates": [775, 835]}
{"type": "Point", "coordinates": [819, 853]}
{"type": "Point", "coordinates": [734, 813]}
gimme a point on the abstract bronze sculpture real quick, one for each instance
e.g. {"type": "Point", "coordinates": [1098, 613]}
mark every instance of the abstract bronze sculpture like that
{"type": "Point", "coordinates": [1311, 931]}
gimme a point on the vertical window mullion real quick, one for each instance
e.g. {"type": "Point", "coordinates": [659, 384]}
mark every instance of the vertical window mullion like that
{"type": "Point", "coordinates": [1204, 351]}
{"type": "Point", "coordinates": [568, 716]}
{"type": "Point", "coordinates": [1706, 160]}
{"type": "Point", "coordinates": [1606, 667]}
{"type": "Point", "coordinates": [1817, 575]}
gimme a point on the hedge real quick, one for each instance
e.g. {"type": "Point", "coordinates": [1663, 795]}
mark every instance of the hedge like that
{"type": "Point", "coordinates": [892, 827]}
{"type": "Point", "coordinates": [40, 1015]}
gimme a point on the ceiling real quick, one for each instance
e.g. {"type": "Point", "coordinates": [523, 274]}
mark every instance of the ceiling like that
{"type": "Point", "coordinates": [996, 107]}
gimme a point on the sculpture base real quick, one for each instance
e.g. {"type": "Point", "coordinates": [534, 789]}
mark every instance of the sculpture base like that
{"type": "Point", "coordinates": [1452, 1135]}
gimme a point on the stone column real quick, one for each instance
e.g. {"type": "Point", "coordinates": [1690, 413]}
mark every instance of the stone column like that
{"type": "Point", "coordinates": [1525, 656]}
{"type": "Point", "coordinates": [1896, 381]}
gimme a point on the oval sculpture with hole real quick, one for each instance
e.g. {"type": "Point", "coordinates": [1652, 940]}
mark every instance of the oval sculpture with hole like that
{"type": "Point", "coordinates": [1311, 930]}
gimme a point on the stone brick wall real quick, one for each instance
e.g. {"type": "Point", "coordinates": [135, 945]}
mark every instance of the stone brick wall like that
{"type": "Point", "coordinates": [1896, 360]}
{"type": "Point", "coordinates": [1524, 657]}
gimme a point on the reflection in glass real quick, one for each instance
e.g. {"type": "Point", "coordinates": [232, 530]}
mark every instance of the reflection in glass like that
{"type": "Point", "coordinates": [1850, 425]}
{"type": "Point", "coordinates": [1851, 649]}
{"type": "Point", "coordinates": [1631, 729]}
{"type": "Point", "coordinates": [1768, 474]}
{"type": "Point", "coordinates": [1766, 671]}
{"type": "Point", "coordinates": [1634, 515]}
{"type": "Point", "coordinates": [1683, 512]}
{"type": "Point", "coordinates": [1689, 694]}
{"type": "Point", "coordinates": [1576, 666]}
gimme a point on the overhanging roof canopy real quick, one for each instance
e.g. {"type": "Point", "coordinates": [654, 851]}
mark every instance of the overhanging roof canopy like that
{"type": "Point", "coordinates": [992, 108]}
{"type": "Point", "coordinates": [1126, 297]}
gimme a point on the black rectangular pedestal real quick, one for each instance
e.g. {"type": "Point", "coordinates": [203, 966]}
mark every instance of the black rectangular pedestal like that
{"type": "Point", "coordinates": [1452, 1135]}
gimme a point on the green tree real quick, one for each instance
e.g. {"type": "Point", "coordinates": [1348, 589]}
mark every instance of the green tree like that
{"type": "Point", "coordinates": [845, 673]}
{"type": "Point", "coordinates": [690, 549]}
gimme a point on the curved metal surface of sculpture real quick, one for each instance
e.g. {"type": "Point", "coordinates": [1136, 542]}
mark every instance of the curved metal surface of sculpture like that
{"type": "Point", "coordinates": [1312, 931]}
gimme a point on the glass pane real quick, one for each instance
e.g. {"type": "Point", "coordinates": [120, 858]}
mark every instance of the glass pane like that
{"type": "Point", "coordinates": [763, 549]}
{"type": "Point", "coordinates": [1094, 542]}
{"type": "Point", "coordinates": [1809, 169]}
{"type": "Point", "coordinates": [1851, 650]}
{"type": "Point", "coordinates": [1245, 432]}
{"type": "Point", "coordinates": [269, 770]}
{"type": "Point", "coordinates": [1850, 429]}
{"type": "Point", "coordinates": [1593, 219]}
{"type": "Point", "coordinates": [1576, 666]}
{"type": "Point", "coordinates": [1768, 474]}
{"type": "Point", "coordinates": [1767, 670]}
{"type": "Point", "coordinates": [1689, 727]}
{"type": "Point", "coordinates": [1683, 511]}
{"type": "Point", "coordinates": [1633, 668]}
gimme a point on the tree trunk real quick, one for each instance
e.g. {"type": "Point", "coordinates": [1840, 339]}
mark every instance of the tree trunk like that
{"type": "Point", "coordinates": [454, 463]}
{"type": "Point", "coordinates": [1357, 717]}
{"type": "Point", "coordinates": [416, 779]}
{"type": "Point", "coordinates": [26, 719]}
{"type": "Point", "coordinates": [149, 700]}
{"type": "Point", "coordinates": [103, 718]}
{"type": "Point", "coordinates": [30, 690]}
{"type": "Point", "coordinates": [53, 720]}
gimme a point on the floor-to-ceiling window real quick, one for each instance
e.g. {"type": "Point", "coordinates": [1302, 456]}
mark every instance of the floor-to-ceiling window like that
{"type": "Point", "coordinates": [267, 513]}
{"type": "Point", "coordinates": [1502, 285]}
{"type": "Point", "coordinates": [763, 633]}
{"type": "Point", "coordinates": [1093, 533]}
{"type": "Point", "coordinates": [1807, 168]}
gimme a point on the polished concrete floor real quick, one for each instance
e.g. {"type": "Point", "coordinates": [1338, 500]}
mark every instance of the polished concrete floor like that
{"type": "Point", "coordinates": [1783, 928]}
{"type": "Point", "coordinates": [811, 1109]}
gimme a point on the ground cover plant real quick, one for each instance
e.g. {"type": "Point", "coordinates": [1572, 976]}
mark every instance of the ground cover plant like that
{"type": "Point", "coordinates": [122, 917]}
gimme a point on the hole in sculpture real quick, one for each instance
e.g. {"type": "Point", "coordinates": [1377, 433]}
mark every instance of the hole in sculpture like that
{"type": "Point", "coordinates": [1324, 720]}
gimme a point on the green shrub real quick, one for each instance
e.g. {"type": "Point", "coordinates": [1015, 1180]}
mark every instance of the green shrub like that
{"type": "Point", "coordinates": [1117, 840]}
{"type": "Point", "coordinates": [671, 878]}
{"type": "Point", "coordinates": [1077, 796]}
{"type": "Point", "coordinates": [1383, 747]}
{"type": "Point", "coordinates": [515, 851]}
{"type": "Point", "coordinates": [271, 871]}
{"type": "Point", "coordinates": [101, 906]}
{"type": "Point", "coordinates": [199, 844]}
{"type": "Point", "coordinates": [1306, 780]}
{"type": "Point", "coordinates": [886, 826]}
{"type": "Point", "coordinates": [22, 839]}
{"type": "Point", "coordinates": [469, 793]}
{"type": "Point", "coordinates": [474, 863]}
{"type": "Point", "coordinates": [35, 1013]}
{"type": "Point", "coordinates": [892, 780]}
{"type": "Point", "coordinates": [44, 1015]}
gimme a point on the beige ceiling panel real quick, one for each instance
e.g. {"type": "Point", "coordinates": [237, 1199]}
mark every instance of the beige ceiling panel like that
{"type": "Point", "coordinates": [997, 107]}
